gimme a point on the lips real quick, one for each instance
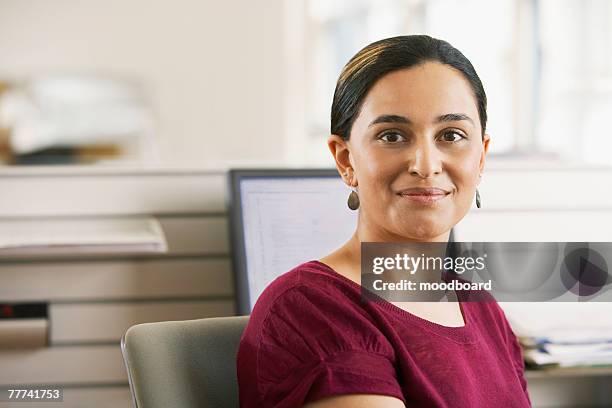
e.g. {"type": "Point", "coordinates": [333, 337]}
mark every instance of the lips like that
{"type": "Point", "coordinates": [423, 195]}
{"type": "Point", "coordinates": [423, 191]}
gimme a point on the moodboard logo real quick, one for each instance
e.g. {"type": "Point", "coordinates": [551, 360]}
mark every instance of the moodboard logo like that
{"type": "Point", "coordinates": [483, 271]}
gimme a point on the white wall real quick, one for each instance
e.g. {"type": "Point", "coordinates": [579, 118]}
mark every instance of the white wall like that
{"type": "Point", "coordinates": [214, 68]}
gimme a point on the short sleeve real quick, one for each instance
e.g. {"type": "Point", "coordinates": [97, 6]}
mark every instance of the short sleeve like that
{"type": "Point", "coordinates": [315, 344]}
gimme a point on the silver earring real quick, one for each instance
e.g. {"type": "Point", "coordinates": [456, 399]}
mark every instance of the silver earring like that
{"type": "Point", "coordinates": [478, 202]}
{"type": "Point", "coordinates": [353, 200]}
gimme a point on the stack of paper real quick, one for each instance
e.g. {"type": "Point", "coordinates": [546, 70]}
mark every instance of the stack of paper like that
{"type": "Point", "coordinates": [67, 236]}
{"type": "Point", "coordinates": [564, 334]}
{"type": "Point", "coordinates": [569, 348]}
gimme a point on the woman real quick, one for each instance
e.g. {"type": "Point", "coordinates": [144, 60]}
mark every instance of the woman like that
{"type": "Point", "coordinates": [408, 135]}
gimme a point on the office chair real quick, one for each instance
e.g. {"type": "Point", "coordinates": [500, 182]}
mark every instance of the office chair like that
{"type": "Point", "coordinates": [183, 364]}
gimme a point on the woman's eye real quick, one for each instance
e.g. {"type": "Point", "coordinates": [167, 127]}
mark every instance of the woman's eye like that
{"type": "Point", "coordinates": [392, 137]}
{"type": "Point", "coordinates": [452, 136]}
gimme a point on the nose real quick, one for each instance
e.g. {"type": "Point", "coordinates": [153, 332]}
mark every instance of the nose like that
{"type": "Point", "coordinates": [426, 159]}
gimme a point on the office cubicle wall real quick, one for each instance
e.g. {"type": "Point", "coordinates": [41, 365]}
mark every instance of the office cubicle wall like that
{"type": "Point", "coordinates": [92, 299]}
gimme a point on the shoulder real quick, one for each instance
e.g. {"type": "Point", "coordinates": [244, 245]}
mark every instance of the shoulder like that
{"type": "Point", "coordinates": [311, 286]}
{"type": "Point", "coordinates": [302, 296]}
{"type": "Point", "coordinates": [309, 336]}
{"type": "Point", "coordinates": [307, 300]}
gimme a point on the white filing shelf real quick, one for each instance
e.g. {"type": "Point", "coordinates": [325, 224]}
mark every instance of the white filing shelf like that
{"type": "Point", "coordinates": [93, 299]}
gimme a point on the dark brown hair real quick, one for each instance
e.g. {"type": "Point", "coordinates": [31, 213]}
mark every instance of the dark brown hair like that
{"type": "Point", "coordinates": [392, 54]}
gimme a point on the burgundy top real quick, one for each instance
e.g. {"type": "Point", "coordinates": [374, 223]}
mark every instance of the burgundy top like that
{"type": "Point", "coordinates": [311, 336]}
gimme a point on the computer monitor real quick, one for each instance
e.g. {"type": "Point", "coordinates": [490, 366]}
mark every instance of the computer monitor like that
{"type": "Point", "coordinates": [280, 218]}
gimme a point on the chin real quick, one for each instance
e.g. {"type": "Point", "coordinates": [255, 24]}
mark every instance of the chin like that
{"type": "Point", "coordinates": [423, 229]}
{"type": "Point", "coordinates": [423, 236]}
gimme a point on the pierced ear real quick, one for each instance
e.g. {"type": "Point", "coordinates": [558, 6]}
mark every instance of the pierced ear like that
{"type": "Point", "coordinates": [350, 177]}
{"type": "Point", "coordinates": [339, 149]}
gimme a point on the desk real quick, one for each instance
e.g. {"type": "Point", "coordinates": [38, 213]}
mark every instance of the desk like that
{"type": "Point", "coordinates": [561, 372]}
{"type": "Point", "coordinates": [570, 387]}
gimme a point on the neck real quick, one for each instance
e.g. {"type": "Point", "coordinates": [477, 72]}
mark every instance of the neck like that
{"type": "Point", "coordinates": [366, 232]}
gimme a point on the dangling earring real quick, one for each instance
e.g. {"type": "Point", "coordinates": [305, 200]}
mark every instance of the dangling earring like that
{"type": "Point", "coordinates": [477, 198]}
{"type": "Point", "coordinates": [353, 200]}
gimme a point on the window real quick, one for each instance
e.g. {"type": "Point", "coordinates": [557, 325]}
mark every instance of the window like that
{"type": "Point", "coordinates": [546, 65]}
{"type": "Point", "coordinates": [575, 85]}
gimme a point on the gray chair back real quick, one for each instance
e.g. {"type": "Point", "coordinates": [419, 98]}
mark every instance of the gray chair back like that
{"type": "Point", "coordinates": [183, 364]}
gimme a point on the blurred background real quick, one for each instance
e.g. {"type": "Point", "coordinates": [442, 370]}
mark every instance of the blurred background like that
{"type": "Point", "coordinates": [120, 119]}
{"type": "Point", "coordinates": [198, 81]}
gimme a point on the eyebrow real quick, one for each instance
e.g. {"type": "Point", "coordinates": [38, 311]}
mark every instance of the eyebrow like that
{"type": "Point", "coordinates": [448, 117]}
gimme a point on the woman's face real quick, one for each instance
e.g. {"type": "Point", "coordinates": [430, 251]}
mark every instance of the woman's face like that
{"type": "Point", "coordinates": [417, 128]}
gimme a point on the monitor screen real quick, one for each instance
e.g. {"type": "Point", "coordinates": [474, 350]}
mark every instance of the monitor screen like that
{"type": "Point", "coordinates": [280, 218]}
